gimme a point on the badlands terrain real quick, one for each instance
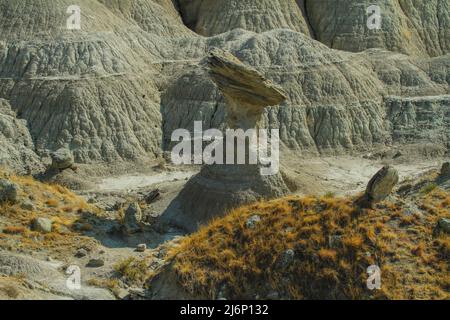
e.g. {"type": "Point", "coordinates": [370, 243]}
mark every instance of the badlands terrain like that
{"type": "Point", "coordinates": [93, 207]}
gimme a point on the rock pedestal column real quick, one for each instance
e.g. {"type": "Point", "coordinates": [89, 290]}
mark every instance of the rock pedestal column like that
{"type": "Point", "coordinates": [218, 188]}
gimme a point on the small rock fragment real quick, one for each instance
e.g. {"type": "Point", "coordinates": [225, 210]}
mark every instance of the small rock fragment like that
{"type": "Point", "coordinates": [81, 253]}
{"type": "Point", "coordinates": [95, 263]}
{"type": "Point", "coordinates": [27, 205]}
{"type": "Point", "coordinates": [444, 225]}
{"type": "Point", "coordinates": [141, 247]}
{"type": "Point", "coordinates": [252, 221]}
{"type": "Point", "coordinates": [273, 295]}
{"type": "Point", "coordinates": [152, 196]}
{"type": "Point", "coordinates": [122, 294]}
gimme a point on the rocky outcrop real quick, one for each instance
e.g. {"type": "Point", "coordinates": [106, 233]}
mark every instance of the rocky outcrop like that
{"type": "Point", "coordinates": [83, 89]}
{"type": "Point", "coordinates": [420, 119]}
{"type": "Point", "coordinates": [212, 17]}
{"type": "Point", "coordinates": [444, 224]}
{"type": "Point", "coordinates": [16, 144]}
{"type": "Point", "coordinates": [153, 16]}
{"type": "Point", "coordinates": [413, 27]}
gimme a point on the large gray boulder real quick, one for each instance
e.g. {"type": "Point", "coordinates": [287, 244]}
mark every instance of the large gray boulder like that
{"type": "Point", "coordinates": [62, 159]}
{"type": "Point", "coordinates": [380, 186]}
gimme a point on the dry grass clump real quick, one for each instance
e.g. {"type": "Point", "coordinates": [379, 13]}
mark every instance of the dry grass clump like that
{"type": "Point", "coordinates": [14, 230]}
{"type": "Point", "coordinates": [10, 291]}
{"type": "Point", "coordinates": [132, 270]}
{"type": "Point", "coordinates": [110, 284]}
{"type": "Point", "coordinates": [334, 242]}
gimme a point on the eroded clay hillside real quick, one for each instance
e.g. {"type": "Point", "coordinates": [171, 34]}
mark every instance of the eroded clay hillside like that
{"type": "Point", "coordinates": [115, 90]}
{"type": "Point", "coordinates": [92, 109]}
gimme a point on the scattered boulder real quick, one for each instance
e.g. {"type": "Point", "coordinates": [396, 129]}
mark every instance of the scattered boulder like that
{"type": "Point", "coordinates": [379, 187]}
{"type": "Point", "coordinates": [121, 294]}
{"type": "Point", "coordinates": [132, 219]}
{"type": "Point", "coordinates": [81, 253]}
{"type": "Point", "coordinates": [27, 205]}
{"type": "Point", "coordinates": [62, 159]}
{"type": "Point", "coordinates": [43, 225]}
{"type": "Point", "coordinates": [252, 221]}
{"type": "Point", "coordinates": [141, 247]}
{"type": "Point", "coordinates": [152, 196]}
{"type": "Point", "coordinates": [445, 169]}
{"type": "Point", "coordinates": [8, 191]}
{"type": "Point", "coordinates": [95, 263]}
{"type": "Point", "coordinates": [444, 225]}
{"type": "Point", "coordinates": [150, 216]}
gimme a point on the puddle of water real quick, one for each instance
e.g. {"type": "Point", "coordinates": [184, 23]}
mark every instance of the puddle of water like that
{"type": "Point", "coordinates": [139, 181]}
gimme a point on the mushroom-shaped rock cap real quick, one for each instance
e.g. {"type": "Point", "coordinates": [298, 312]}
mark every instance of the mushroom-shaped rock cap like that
{"type": "Point", "coordinates": [241, 82]}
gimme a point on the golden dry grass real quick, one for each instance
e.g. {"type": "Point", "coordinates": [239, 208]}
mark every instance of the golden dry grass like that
{"type": "Point", "coordinates": [51, 201]}
{"type": "Point", "coordinates": [133, 270]}
{"type": "Point", "coordinates": [414, 264]}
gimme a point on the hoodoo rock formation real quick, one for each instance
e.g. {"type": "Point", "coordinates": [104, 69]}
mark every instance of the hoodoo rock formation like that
{"type": "Point", "coordinates": [219, 188]}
